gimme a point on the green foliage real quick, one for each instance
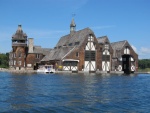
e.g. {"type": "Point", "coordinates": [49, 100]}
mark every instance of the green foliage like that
{"type": "Point", "coordinates": [144, 63]}
{"type": "Point", "coordinates": [144, 70]}
{"type": "Point", "coordinates": [4, 60]}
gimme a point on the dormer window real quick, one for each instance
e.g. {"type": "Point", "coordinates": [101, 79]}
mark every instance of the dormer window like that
{"type": "Point", "coordinates": [77, 54]}
{"type": "Point", "coordinates": [77, 43]}
{"type": "Point", "coordinates": [106, 46]}
{"type": "Point", "coordinates": [90, 38]}
{"type": "Point", "coordinates": [70, 44]}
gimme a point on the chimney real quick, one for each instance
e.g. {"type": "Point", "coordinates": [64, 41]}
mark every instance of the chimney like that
{"type": "Point", "coordinates": [30, 45]}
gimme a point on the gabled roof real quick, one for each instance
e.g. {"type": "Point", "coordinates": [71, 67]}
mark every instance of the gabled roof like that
{"type": "Point", "coordinates": [38, 49]}
{"type": "Point", "coordinates": [77, 36]}
{"type": "Point", "coordinates": [57, 54]}
{"type": "Point", "coordinates": [118, 45]}
{"type": "Point", "coordinates": [103, 39]}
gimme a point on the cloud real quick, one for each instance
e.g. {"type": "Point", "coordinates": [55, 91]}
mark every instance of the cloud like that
{"type": "Point", "coordinates": [103, 27]}
{"type": "Point", "coordinates": [145, 50]}
{"type": "Point", "coordinates": [144, 53]}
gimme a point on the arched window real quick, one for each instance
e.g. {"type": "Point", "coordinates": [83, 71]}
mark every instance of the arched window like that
{"type": "Point", "coordinates": [127, 50]}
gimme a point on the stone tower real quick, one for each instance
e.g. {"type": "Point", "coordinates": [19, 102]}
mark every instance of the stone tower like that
{"type": "Point", "coordinates": [19, 46]}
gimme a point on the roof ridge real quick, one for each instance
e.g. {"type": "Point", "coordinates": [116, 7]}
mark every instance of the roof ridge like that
{"type": "Point", "coordinates": [103, 36]}
{"type": "Point", "coordinates": [118, 41]}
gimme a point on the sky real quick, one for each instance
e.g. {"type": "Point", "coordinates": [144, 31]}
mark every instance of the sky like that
{"type": "Point", "coordinates": [48, 20]}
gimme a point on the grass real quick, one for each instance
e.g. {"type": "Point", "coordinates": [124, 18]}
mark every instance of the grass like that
{"type": "Point", "coordinates": [144, 70]}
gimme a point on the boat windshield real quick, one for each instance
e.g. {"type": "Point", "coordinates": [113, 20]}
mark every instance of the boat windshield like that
{"type": "Point", "coordinates": [51, 66]}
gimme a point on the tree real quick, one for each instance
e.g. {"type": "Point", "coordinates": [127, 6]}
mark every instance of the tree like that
{"type": "Point", "coordinates": [4, 60]}
{"type": "Point", "coordinates": [144, 63]}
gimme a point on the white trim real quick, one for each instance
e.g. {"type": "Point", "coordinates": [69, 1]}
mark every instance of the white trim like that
{"type": "Point", "coordinates": [124, 44]}
{"type": "Point", "coordinates": [119, 68]}
{"type": "Point", "coordinates": [132, 68]}
{"type": "Point", "coordinates": [70, 60]}
{"type": "Point", "coordinates": [68, 53]}
{"type": "Point", "coordinates": [132, 59]}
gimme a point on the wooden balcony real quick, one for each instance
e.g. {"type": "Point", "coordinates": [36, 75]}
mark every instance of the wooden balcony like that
{"type": "Point", "coordinates": [18, 44]}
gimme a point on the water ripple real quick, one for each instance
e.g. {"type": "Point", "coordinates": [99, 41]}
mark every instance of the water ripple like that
{"type": "Point", "coordinates": [74, 93]}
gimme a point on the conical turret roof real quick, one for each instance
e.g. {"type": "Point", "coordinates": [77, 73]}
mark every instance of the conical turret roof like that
{"type": "Point", "coordinates": [19, 35]}
{"type": "Point", "coordinates": [72, 23]}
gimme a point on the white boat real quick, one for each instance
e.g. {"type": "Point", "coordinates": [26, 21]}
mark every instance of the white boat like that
{"type": "Point", "coordinates": [46, 69]}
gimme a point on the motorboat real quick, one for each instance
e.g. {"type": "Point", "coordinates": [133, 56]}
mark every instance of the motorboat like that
{"type": "Point", "coordinates": [46, 69]}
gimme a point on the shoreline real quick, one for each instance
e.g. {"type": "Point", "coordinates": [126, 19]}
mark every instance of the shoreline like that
{"type": "Point", "coordinates": [67, 72]}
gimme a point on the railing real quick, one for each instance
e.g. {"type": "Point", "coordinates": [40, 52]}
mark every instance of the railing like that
{"type": "Point", "coordinates": [18, 44]}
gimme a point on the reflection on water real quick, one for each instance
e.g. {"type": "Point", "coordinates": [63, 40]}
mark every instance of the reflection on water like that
{"type": "Point", "coordinates": [74, 93]}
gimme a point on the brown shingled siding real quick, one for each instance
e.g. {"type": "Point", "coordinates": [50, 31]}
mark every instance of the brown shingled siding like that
{"type": "Point", "coordinates": [81, 51]}
{"type": "Point", "coordinates": [18, 50]}
{"type": "Point", "coordinates": [31, 59]}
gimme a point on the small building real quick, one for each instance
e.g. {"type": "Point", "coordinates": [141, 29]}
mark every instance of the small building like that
{"type": "Point", "coordinates": [77, 51]}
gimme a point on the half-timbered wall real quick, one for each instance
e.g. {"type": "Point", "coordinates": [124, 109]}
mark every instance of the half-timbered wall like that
{"type": "Point", "coordinates": [70, 66]}
{"type": "Point", "coordinates": [90, 55]}
{"type": "Point", "coordinates": [106, 66]}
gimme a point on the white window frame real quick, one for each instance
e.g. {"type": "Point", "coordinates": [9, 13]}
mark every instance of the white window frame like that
{"type": "Point", "coordinates": [19, 63]}
{"type": "Point", "coordinates": [38, 56]}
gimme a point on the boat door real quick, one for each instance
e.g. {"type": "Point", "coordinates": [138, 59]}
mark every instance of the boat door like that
{"type": "Point", "coordinates": [126, 64]}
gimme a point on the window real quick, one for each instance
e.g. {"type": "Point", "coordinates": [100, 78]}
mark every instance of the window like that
{"type": "Point", "coordinates": [19, 63]}
{"type": "Point", "coordinates": [100, 49]}
{"type": "Point", "coordinates": [70, 44]}
{"type": "Point", "coordinates": [14, 55]}
{"type": "Point", "coordinates": [106, 57]}
{"type": "Point", "coordinates": [90, 38]}
{"type": "Point", "coordinates": [127, 50]}
{"type": "Point", "coordinates": [106, 46]}
{"type": "Point", "coordinates": [14, 62]}
{"type": "Point", "coordinates": [66, 63]}
{"type": "Point", "coordinates": [89, 55]}
{"type": "Point", "coordinates": [37, 56]}
{"type": "Point", "coordinates": [74, 63]}
{"type": "Point", "coordinates": [70, 63]}
{"type": "Point", "coordinates": [77, 43]}
{"type": "Point", "coordinates": [19, 55]}
{"type": "Point", "coordinates": [77, 54]}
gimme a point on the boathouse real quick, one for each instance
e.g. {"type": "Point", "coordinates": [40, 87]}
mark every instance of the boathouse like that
{"type": "Point", "coordinates": [77, 51]}
{"type": "Point", "coordinates": [124, 57]}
